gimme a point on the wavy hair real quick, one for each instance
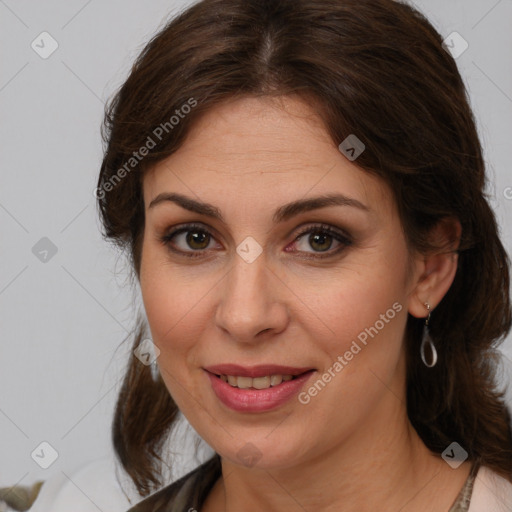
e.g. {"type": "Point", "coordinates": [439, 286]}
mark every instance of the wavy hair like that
{"type": "Point", "coordinates": [375, 68]}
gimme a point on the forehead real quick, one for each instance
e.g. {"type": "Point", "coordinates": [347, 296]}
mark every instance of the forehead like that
{"type": "Point", "coordinates": [268, 148]}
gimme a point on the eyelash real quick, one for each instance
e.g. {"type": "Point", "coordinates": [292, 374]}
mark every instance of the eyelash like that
{"type": "Point", "coordinates": [316, 229]}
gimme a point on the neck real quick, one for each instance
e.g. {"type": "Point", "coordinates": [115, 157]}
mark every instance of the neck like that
{"type": "Point", "coordinates": [376, 468]}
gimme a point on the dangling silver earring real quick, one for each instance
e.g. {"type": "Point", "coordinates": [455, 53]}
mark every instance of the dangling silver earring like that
{"type": "Point", "coordinates": [155, 372]}
{"type": "Point", "coordinates": [427, 340]}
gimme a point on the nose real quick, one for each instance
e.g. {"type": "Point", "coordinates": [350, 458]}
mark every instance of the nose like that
{"type": "Point", "coordinates": [251, 307]}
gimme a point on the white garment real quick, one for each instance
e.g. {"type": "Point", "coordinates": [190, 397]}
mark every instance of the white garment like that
{"type": "Point", "coordinates": [92, 488]}
{"type": "Point", "coordinates": [491, 492]}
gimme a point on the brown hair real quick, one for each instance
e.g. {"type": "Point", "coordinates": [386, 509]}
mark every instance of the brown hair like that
{"type": "Point", "coordinates": [374, 68]}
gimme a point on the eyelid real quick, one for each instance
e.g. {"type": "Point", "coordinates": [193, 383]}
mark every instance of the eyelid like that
{"type": "Point", "coordinates": [307, 227]}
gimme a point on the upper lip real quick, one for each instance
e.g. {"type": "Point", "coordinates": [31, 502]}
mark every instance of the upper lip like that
{"type": "Point", "coordinates": [261, 370]}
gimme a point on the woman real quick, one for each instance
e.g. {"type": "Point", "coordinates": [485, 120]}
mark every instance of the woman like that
{"type": "Point", "coordinates": [300, 187]}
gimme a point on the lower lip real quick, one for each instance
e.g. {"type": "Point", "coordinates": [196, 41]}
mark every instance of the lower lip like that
{"type": "Point", "coordinates": [257, 400]}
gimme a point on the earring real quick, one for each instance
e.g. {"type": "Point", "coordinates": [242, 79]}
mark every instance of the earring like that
{"type": "Point", "coordinates": [427, 340]}
{"type": "Point", "coordinates": [155, 372]}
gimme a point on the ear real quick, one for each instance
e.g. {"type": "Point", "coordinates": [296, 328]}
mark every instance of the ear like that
{"type": "Point", "coordinates": [436, 271]}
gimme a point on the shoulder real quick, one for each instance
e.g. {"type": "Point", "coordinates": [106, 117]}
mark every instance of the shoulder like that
{"type": "Point", "coordinates": [92, 486]}
{"type": "Point", "coordinates": [491, 492]}
{"type": "Point", "coordinates": [187, 493]}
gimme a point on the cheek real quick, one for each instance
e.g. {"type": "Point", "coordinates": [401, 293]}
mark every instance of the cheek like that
{"type": "Point", "coordinates": [179, 309]}
{"type": "Point", "coordinates": [175, 314]}
{"type": "Point", "coordinates": [363, 317]}
{"type": "Point", "coordinates": [366, 331]}
{"type": "Point", "coordinates": [171, 301]}
{"type": "Point", "coordinates": [354, 303]}
{"type": "Point", "coordinates": [173, 309]}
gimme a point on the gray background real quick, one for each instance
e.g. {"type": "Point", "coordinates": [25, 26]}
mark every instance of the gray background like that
{"type": "Point", "coordinates": [62, 321]}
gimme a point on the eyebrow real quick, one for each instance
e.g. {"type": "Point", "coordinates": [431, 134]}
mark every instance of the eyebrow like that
{"type": "Point", "coordinates": [283, 213]}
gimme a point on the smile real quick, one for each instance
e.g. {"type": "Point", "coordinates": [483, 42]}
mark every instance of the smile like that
{"type": "Point", "coordinates": [265, 392]}
{"type": "Point", "coordinates": [256, 383]}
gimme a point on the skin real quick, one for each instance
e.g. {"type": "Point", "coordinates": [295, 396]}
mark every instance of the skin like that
{"type": "Point", "coordinates": [352, 446]}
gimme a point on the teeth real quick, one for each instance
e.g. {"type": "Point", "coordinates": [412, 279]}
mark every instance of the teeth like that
{"type": "Point", "coordinates": [259, 382]}
{"type": "Point", "coordinates": [256, 383]}
{"type": "Point", "coordinates": [276, 379]}
{"type": "Point", "coordinates": [244, 382]}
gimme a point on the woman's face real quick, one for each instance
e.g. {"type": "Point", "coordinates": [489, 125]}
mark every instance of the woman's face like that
{"type": "Point", "coordinates": [247, 287]}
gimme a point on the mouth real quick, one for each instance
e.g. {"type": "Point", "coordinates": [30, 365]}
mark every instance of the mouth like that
{"type": "Point", "coordinates": [257, 383]}
{"type": "Point", "coordinates": [260, 377]}
{"type": "Point", "coordinates": [258, 389]}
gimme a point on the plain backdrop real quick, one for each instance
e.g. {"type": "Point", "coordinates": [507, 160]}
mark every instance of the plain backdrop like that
{"type": "Point", "coordinates": [63, 320]}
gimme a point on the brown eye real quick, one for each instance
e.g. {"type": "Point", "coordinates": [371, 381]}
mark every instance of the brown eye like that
{"type": "Point", "coordinates": [321, 239]}
{"type": "Point", "coordinates": [189, 240]}
{"type": "Point", "coordinates": [196, 239]}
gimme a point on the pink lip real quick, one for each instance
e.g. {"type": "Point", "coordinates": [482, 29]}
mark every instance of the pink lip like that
{"type": "Point", "coordinates": [257, 400]}
{"type": "Point", "coordinates": [255, 371]}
